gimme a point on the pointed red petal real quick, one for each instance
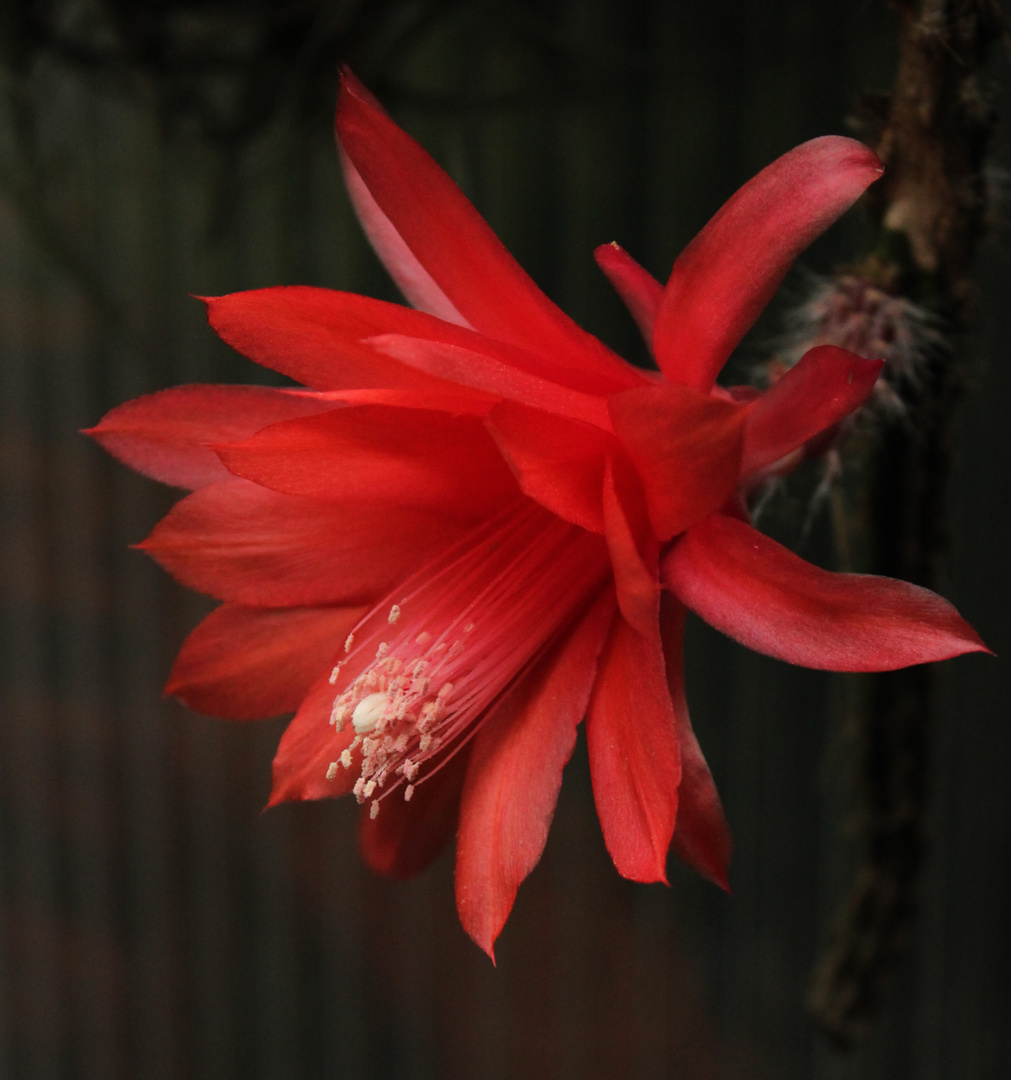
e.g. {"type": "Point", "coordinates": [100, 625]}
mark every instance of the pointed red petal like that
{"type": "Point", "coordinates": [308, 747]}
{"type": "Point", "coordinates": [728, 273]}
{"type": "Point", "coordinates": [635, 764]}
{"type": "Point", "coordinates": [701, 834]}
{"type": "Point", "coordinates": [166, 435]}
{"type": "Point", "coordinates": [413, 280]}
{"type": "Point", "coordinates": [825, 386]}
{"type": "Point", "coordinates": [405, 837]}
{"type": "Point", "coordinates": [686, 447]}
{"type": "Point", "coordinates": [241, 542]}
{"type": "Point", "coordinates": [459, 252]}
{"type": "Point", "coordinates": [558, 463]}
{"type": "Point", "coordinates": [315, 335]}
{"type": "Point", "coordinates": [767, 598]}
{"type": "Point", "coordinates": [246, 663]}
{"type": "Point", "coordinates": [637, 287]}
{"type": "Point", "coordinates": [515, 775]}
{"type": "Point", "coordinates": [391, 456]}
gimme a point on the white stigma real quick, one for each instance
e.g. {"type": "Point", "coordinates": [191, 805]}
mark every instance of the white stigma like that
{"type": "Point", "coordinates": [368, 712]}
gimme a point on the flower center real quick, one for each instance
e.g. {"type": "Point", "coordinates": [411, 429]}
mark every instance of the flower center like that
{"type": "Point", "coordinates": [423, 667]}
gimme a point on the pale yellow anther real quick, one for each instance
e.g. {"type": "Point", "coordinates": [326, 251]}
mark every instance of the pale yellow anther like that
{"type": "Point", "coordinates": [369, 789]}
{"type": "Point", "coordinates": [349, 643]}
{"type": "Point", "coordinates": [331, 770]}
{"type": "Point", "coordinates": [346, 758]}
{"type": "Point", "coordinates": [374, 811]}
{"type": "Point", "coordinates": [408, 792]}
{"type": "Point", "coordinates": [394, 614]}
{"type": "Point", "coordinates": [368, 712]}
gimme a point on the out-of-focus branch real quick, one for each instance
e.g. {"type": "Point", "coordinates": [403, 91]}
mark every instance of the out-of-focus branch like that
{"type": "Point", "coordinates": [931, 210]}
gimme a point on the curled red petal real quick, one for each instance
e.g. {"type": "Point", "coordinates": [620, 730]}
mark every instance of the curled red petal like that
{"type": "Point", "coordinates": [769, 599]}
{"type": "Point", "coordinates": [825, 386]}
{"type": "Point", "coordinates": [701, 834]}
{"type": "Point", "coordinates": [459, 252]}
{"type": "Point", "coordinates": [168, 435]}
{"type": "Point", "coordinates": [393, 456]}
{"type": "Point", "coordinates": [636, 286]}
{"type": "Point", "coordinates": [515, 774]}
{"type": "Point", "coordinates": [241, 542]}
{"type": "Point", "coordinates": [728, 273]}
{"type": "Point", "coordinates": [635, 764]}
{"type": "Point", "coordinates": [686, 447]}
{"type": "Point", "coordinates": [247, 663]}
{"type": "Point", "coordinates": [557, 462]}
{"type": "Point", "coordinates": [633, 548]}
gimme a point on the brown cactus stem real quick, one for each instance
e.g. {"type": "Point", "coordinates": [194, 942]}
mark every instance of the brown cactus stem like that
{"type": "Point", "coordinates": [930, 209]}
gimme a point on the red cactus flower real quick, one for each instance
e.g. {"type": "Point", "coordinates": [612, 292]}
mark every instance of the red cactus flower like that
{"type": "Point", "coordinates": [480, 525]}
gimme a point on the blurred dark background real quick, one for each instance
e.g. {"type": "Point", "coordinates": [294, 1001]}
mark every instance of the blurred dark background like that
{"type": "Point", "coordinates": [153, 923]}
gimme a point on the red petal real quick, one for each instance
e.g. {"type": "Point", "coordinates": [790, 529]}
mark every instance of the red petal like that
{"type": "Point", "coordinates": [315, 335]}
{"type": "Point", "coordinates": [701, 834]}
{"type": "Point", "coordinates": [636, 286]}
{"type": "Point", "coordinates": [166, 435]}
{"type": "Point", "coordinates": [635, 764]}
{"type": "Point", "coordinates": [391, 456]}
{"type": "Point", "coordinates": [727, 274]}
{"type": "Point", "coordinates": [633, 549]}
{"type": "Point", "coordinates": [308, 747]}
{"type": "Point", "coordinates": [242, 542]}
{"type": "Point", "coordinates": [488, 373]}
{"type": "Point", "coordinates": [411, 277]}
{"type": "Point", "coordinates": [558, 463]}
{"type": "Point", "coordinates": [246, 663]}
{"type": "Point", "coordinates": [459, 252]}
{"type": "Point", "coordinates": [405, 837]}
{"type": "Point", "coordinates": [515, 775]}
{"type": "Point", "coordinates": [686, 447]}
{"type": "Point", "coordinates": [826, 385]}
{"type": "Point", "coordinates": [767, 598]}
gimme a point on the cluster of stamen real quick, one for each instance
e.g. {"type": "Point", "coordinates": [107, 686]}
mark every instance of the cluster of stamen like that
{"type": "Point", "coordinates": [418, 673]}
{"type": "Point", "coordinates": [397, 708]}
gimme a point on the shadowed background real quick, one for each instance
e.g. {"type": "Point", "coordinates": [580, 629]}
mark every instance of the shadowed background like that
{"type": "Point", "coordinates": [153, 923]}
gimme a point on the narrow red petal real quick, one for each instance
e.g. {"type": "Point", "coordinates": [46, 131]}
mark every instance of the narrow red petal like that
{"type": "Point", "coordinates": [767, 598]}
{"type": "Point", "coordinates": [515, 775]}
{"type": "Point", "coordinates": [633, 549]}
{"type": "Point", "coordinates": [728, 273]}
{"type": "Point", "coordinates": [825, 386]}
{"type": "Point", "coordinates": [167, 435]}
{"type": "Point", "coordinates": [635, 764]}
{"type": "Point", "coordinates": [391, 456]}
{"type": "Point", "coordinates": [241, 542]}
{"type": "Point", "coordinates": [686, 447]}
{"type": "Point", "coordinates": [459, 252]}
{"type": "Point", "coordinates": [488, 373]}
{"type": "Point", "coordinates": [637, 287]}
{"type": "Point", "coordinates": [247, 663]}
{"type": "Point", "coordinates": [404, 837]}
{"type": "Point", "coordinates": [308, 749]}
{"type": "Point", "coordinates": [701, 834]}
